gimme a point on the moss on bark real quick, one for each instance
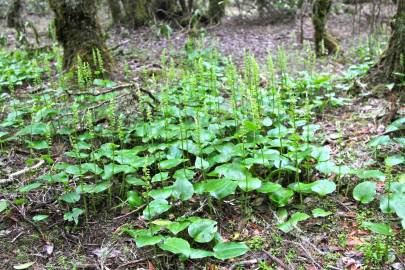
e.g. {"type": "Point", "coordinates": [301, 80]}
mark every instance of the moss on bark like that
{"type": "Point", "coordinates": [78, 31]}
{"type": "Point", "coordinates": [320, 13]}
{"type": "Point", "coordinates": [116, 14]}
{"type": "Point", "coordinates": [14, 19]}
{"type": "Point", "coordinates": [216, 10]}
{"type": "Point", "coordinates": [137, 13]}
{"type": "Point", "coordinates": [392, 61]}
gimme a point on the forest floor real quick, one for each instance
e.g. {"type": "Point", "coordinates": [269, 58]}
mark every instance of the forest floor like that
{"type": "Point", "coordinates": [329, 243]}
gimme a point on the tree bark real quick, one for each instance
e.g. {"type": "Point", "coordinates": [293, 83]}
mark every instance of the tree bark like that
{"type": "Point", "coordinates": [115, 8]}
{"type": "Point", "coordinates": [392, 61]}
{"type": "Point", "coordinates": [320, 12]}
{"type": "Point", "coordinates": [137, 13]}
{"type": "Point", "coordinates": [14, 19]}
{"type": "Point", "coordinates": [78, 31]}
{"type": "Point", "coordinates": [216, 10]}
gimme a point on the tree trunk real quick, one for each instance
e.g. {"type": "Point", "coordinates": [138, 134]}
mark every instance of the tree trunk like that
{"type": "Point", "coordinates": [78, 31]}
{"type": "Point", "coordinates": [216, 10]}
{"type": "Point", "coordinates": [165, 9]}
{"type": "Point", "coordinates": [137, 13]}
{"type": "Point", "coordinates": [392, 62]}
{"type": "Point", "coordinates": [115, 8]}
{"type": "Point", "coordinates": [14, 19]}
{"type": "Point", "coordinates": [320, 12]}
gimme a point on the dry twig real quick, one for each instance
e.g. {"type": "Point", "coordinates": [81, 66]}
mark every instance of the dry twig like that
{"type": "Point", "coordinates": [12, 176]}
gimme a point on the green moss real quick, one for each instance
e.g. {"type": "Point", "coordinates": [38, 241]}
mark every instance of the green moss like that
{"type": "Point", "coordinates": [321, 10]}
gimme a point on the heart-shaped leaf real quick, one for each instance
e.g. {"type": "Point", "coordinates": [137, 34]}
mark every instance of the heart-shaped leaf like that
{"type": "Point", "coordinates": [281, 196]}
{"type": "Point", "coordinates": [203, 230]}
{"type": "Point", "coordinates": [71, 197]}
{"type": "Point", "coordinates": [176, 246]}
{"type": "Point", "coordinates": [229, 250]}
{"type": "Point", "coordinates": [379, 228]}
{"type": "Point", "coordinates": [220, 188]}
{"type": "Point", "coordinates": [323, 187]}
{"type": "Point", "coordinates": [155, 208]}
{"type": "Point", "coordinates": [319, 212]}
{"type": "Point", "coordinates": [183, 189]}
{"type": "Point", "coordinates": [365, 192]}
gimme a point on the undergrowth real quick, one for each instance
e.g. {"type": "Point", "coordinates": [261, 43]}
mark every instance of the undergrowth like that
{"type": "Point", "coordinates": [200, 135]}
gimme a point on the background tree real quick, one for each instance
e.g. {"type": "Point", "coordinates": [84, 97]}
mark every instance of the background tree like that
{"type": "Point", "coordinates": [14, 19]}
{"type": "Point", "coordinates": [391, 66]}
{"type": "Point", "coordinates": [79, 32]}
{"type": "Point", "coordinates": [116, 14]}
{"type": "Point", "coordinates": [216, 10]}
{"type": "Point", "coordinates": [320, 13]}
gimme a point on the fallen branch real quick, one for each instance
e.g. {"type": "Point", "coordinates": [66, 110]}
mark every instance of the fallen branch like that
{"type": "Point", "coordinates": [130, 213]}
{"type": "Point", "coordinates": [12, 176]}
{"type": "Point", "coordinates": [240, 263]}
{"type": "Point", "coordinates": [131, 263]}
{"type": "Point", "coordinates": [118, 88]}
{"type": "Point", "coordinates": [278, 261]}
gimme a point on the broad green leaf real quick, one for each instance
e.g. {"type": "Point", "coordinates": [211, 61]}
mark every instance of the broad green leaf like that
{"type": "Point", "coordinates": [28, 188]}
{"type": "Point", "coordinates": [38, 145]}
{"type": "Point", "coordinates": [201, 164]}
{"type": "Point", "coordinates": [249, 184]}
{"type": "Point", "coordinates": [112, 169]}
{"type": "Point", "coordinates": [71, 197]}
{"type": "Point", "coordinates": [396, 125]}
{"type": "Point", "coordinates": [281, 196]}
{"type": "Point", "coordinates": [135, 181]}
{"type": "Point", "coordinates": [34, 129]}
{"type": "Point", "coordinates": [203, 230]}
{"type": "Point", "coordinates": [200, 253]}
{"type": "Point", "coordinates": [160, 177]}
{"type": "Point", "coordinates": [326, 167]}
{"type": "Point", "coordinates": [323, 187]}
{"type": "Point", "coordinates": [162, 193]}
{"type": "Point", "coordinates": [38, 218]}
{"type": "Point", "coordinates": [381, 140]}
{"type": "Point", "coordinates": [183, 189]}
{"type": "Point", "coordinates": [171, 163]}
{"type": "Point", "coordinates": [155, 208]}
{"type": "Point", "coordinates": [23, 266]}
{"type": "Point", "coordinates": [299, 187]}
{"type": "Point", "coordinates": [3, 205]}
{"type": "Point", "coordinates": [74, 215]}
{"type": "Point", "coordinates": [184, 174]}
{"type": "Point", "coordinates": [319, 212]}
{"type": "Point", "coordinates": [267, 122]}
{"type": "Point", "coordinates": [146, 240]}
{"type": "Point", "coordinates": [365, 192]}
{"type": "Point", "coordinates": [220, 188]}
{"type": "Point", "coordinates": [269, 187]}
{"type": "Point", "coordinates": [379, 228]}
{"type": "Point", "coordinates": [367, 174]}
{"type": "Point", "coordinates": [292, 222]}
{"type": "Point", "coordinates": [232, 171]}
{"type": "Point", "coordinates": [134, 199]}
{"type": "Point", "coordinates": [229, 250]}
{"type": "Point", "coordinates": [176, 246]}
{"type": "Point", "coordinates": [392, 161]}
{"type": "Point", "coordinates": [176, 227]}
{"type": "Point", "coordinates": [91, 167]}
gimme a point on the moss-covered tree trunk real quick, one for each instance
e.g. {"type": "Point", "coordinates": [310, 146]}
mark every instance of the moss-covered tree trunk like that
{"type": "Point", "coordinates": [14, 19]}
{"type": "Point", "coordinates": [392, 62]}
{"type": "Point", "coordinates": [216, 10]}
{"type": "Point", "coordinates": [116, 14]}
{"type": "Point", "coordinates": [165, 9]}
{"type": "Point", "coordinates": [137, 13]}
{"type": "Point", "coordinates": [78, 31]}
{"type": "Point", "coordinates": [322, 38]}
